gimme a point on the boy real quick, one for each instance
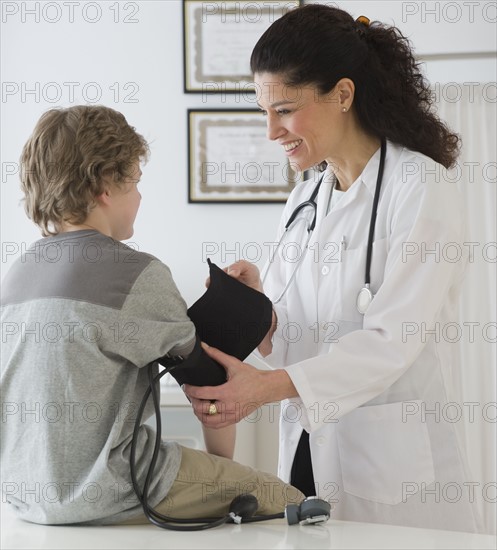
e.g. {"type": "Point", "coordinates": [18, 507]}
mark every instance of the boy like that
{"type": "Point", "coordinates": [82, 314]}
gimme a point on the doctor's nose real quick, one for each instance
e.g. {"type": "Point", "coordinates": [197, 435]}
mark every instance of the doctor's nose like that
{"type": "Point", "coordinates": [274, 128]}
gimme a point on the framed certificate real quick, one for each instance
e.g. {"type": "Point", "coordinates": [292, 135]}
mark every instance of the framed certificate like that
{"type": "Point", "coordinates": [218, 39]}
{"type": "Point", "coordinates": [231, 159]}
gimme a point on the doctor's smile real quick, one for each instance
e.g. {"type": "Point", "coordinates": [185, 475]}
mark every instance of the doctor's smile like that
{"type": "Point", "coordinates": [290, 147]}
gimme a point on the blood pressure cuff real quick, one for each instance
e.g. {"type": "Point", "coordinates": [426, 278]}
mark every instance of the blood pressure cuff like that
{"type": "Point", "coordinates": [198, 369]}
{"type": "Point", "coordinates": [229, 316]}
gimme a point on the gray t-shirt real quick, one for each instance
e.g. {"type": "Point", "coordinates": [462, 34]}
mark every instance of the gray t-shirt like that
{"type": "Point", "coordinates": [81, 315]}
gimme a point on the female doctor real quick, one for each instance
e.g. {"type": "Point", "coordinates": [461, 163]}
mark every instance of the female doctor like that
{"type": "Point", "coordinates": [359, 286]}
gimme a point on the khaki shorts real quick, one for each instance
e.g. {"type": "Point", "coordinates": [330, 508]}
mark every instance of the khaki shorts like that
{"type": "Point", "coordinates": [206, 484]}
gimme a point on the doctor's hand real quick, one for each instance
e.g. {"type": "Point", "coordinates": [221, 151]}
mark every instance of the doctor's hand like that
{"type": "Point", "coordinates": [247, 389]}
{"type": "Point", "coordinates": [245, 272]}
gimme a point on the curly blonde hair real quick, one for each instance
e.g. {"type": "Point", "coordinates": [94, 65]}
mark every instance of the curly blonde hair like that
{"type": "Point", "coordinates": [65, 159]}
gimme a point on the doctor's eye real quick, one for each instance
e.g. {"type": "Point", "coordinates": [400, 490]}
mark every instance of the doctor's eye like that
{"type": "Point", "coordinates": [283, 112]}
{"type": "Point", "coordinates": [263, 113]}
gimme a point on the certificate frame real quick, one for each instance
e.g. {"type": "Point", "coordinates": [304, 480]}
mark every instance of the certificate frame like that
{"type": "Point", "coordinates": [230, 159]}
{"type": "Point", "coordinates": [211, 30]}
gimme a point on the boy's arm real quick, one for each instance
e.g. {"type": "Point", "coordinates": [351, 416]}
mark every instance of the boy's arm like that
{"type": "Point", "coordinates": [220, 442]}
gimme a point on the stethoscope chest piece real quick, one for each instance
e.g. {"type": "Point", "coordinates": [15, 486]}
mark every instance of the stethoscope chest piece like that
{"type": "Point", "coordinates": [364, 299]}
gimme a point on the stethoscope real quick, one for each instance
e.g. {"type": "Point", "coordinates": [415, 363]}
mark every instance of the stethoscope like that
{"type": "Point", "coordinates": [364, 296]}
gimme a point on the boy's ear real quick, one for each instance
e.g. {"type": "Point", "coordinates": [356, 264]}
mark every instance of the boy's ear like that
{"type": "Point", "coordinates": [105, 197]}
{"type": "Point", "coordinates": [107, 182]}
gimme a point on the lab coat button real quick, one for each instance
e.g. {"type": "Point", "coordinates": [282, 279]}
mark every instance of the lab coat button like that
{"type": "Point", "coordinates": [320, 440]}
{"type": "Point", "coordinates": [325, 270]}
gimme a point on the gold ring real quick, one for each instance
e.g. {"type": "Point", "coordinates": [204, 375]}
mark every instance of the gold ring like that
{"type": "Point", "coordinates": [212, 409]}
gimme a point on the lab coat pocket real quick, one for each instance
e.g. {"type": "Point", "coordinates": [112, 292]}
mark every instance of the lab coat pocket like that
{"type": "Point", "coordinates": [380, 454]}
{"type": "Point", "coordinates": [352, 277]}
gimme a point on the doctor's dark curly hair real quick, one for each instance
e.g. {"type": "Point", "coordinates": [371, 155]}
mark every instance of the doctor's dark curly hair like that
{"type": "Point", "coordinates": [319, 45]}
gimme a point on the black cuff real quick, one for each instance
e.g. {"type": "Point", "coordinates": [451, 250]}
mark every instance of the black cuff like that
{"type": "Point", "coordinates": [198, 369]}
{"type": "Point", "coordinates": [231, 316]}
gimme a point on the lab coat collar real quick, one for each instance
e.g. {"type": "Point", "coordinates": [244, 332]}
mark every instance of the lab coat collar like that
{"type": "Point", "coordinates": [324, 194]}
{"type": "Point", "coordinates": [369, 174]}
{"type": "Point", "coordinates": [366, 180]}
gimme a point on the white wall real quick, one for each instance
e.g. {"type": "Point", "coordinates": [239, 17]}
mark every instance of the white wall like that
{"type": "Point", "coordinates": [144, 58]}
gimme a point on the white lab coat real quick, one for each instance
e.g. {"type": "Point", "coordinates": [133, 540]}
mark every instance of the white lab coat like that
{"type": "Point", "coordinates": [370, 385]}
